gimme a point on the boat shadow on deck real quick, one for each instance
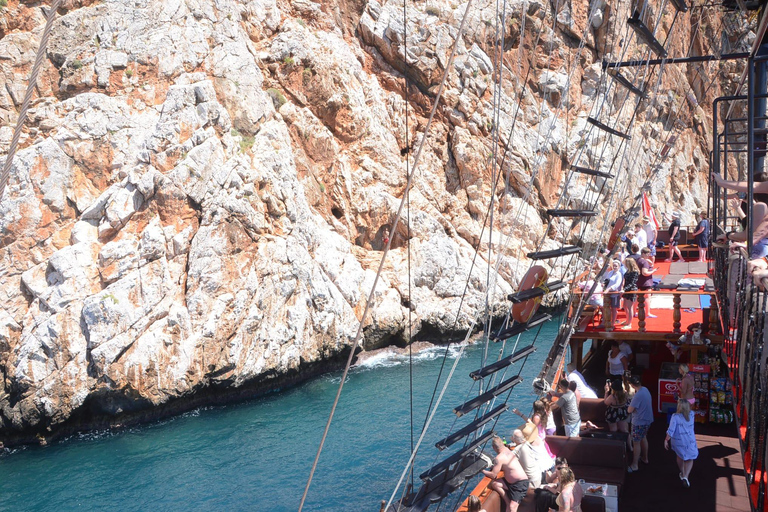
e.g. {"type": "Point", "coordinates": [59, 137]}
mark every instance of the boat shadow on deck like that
{"type": "Point", "coordinates": [717, 479]}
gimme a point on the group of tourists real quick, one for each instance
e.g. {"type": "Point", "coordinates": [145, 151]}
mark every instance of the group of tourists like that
{"type": "Point", "coordinates": [632, 405]}
{"type": "Point", "coordinates": [630, 271]}
{"type": "Point", "coordinates": [557, 490]}
{"type": "Point", "coordinates": [528, 462]}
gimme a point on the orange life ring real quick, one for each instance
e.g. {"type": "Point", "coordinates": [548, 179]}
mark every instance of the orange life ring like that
{"type": "Point", "coordinates": [534, 278]}
{"type": "Point", "coordinates": [616, 233]}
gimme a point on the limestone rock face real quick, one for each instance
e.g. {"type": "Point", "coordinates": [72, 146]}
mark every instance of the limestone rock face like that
{"type": "Point", "coordinates": [204, 189]}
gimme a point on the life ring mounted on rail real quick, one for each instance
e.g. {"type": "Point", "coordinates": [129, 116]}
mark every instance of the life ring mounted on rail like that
{"type": "Point", "coordinates": [616, 233]}
{"type": "Point", "coordinates": [536, 277]}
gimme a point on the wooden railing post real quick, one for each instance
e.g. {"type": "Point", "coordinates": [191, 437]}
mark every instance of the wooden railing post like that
{"type": "Point", "coordinates": [607, 324]}
{"type": "Point", "coordinates": [641, 312]}
{"type": "Point", "coordinates": [676, 313]}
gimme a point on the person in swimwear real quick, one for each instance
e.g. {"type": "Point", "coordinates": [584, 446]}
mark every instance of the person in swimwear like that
{"type": "Point", "coordinates": [571, 492]}
{"type": "Point", "coordinates": [513, 486]}
{"type": "Point", "coordinates": [686, 384]}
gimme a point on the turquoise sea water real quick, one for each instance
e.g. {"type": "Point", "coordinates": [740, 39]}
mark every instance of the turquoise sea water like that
{"type": "Point", "coordinates": [257, 455]}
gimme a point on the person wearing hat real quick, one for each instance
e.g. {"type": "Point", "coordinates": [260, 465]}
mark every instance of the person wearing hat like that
{"type": "Point", "coordinates": [674, 237]}
{"type": "Point", "coordinates": [531, 453]}
{"type": "Point", "coordinates": [651, 233]}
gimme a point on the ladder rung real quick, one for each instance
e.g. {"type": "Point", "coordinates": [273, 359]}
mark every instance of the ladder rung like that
{"type": "Point", "coordinates": [452, 480]}
{"type": "Point", "coordinates": [456, 457]}
{"type": "Point", "coordinates": [471, 427]}
{"type": "Point", "coordinates": [487, 396]}
{"type": "Point", "coordinates": [521, 328]}
{"type": "Point", "coordinates": [592, 172]}
{"type": "Point", "coordinates": [571, 213]}
{"type": "Point", "coordinates": [645, 35]}
{"type": "Point", "coordinates": [554, 253]}
{"type": "Point", "coordinates": [502, 363]}
{"type": "Point", "coordinates": [605, 127]}
{"type": "Point", "coordinates": [622, 80]}
{"type": "Point", "coordinates": [532, 293]}
{"type": "Point", "coordinates": [680, 5]}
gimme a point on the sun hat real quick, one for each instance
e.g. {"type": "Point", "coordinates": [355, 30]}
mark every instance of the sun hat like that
{"type": "Point", "coordinates": [530, 432]}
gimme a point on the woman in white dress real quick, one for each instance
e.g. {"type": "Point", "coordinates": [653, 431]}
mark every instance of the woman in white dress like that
{"type": "Point", "coordinates": [683, 440]}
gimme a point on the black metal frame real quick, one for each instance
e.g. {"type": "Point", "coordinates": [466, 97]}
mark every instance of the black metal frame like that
{"type": "Point", "coordinates": [743, 306]}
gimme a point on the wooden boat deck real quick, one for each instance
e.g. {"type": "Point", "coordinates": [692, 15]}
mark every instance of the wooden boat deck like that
{"type": "Point", "coordinates": [694, 307]}
{"type": "Point", "coordinates": [718, 482]}
{"type": "Point", "coordinates": [718, 479]}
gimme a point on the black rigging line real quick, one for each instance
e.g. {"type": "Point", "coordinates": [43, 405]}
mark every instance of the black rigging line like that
{"type": "Point", "coordinates": [408, 221]}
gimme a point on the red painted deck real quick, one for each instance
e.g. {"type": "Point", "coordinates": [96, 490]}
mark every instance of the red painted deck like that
{"type": "Point", "coordinates": [663, 321]}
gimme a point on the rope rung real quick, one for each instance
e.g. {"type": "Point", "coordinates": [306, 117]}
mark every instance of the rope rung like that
{"type": "Point", "coordinates": [536, 292]}
{"type": "Point", "coordinates": [471, 427]}
{"type": "Point", "coordinates": [606, 128]}
{"type": "Point", "coordinates": [487, 396]}
{"type": "Point", "coordinates": [521, 328]}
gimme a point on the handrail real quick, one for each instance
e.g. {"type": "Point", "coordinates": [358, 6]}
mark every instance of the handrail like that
{"type": "Point", "coordinates": [745, 304]}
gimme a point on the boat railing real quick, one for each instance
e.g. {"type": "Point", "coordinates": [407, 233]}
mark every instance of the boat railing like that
{"type": "Point", "coordinates": [644, 296]}
{"type": "Point", "coordinates": [744, 302]}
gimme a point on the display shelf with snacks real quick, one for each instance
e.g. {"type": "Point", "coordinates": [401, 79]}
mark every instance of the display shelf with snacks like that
{"type": "Point", "coordinates": [701, 385]}
{"type": "Point", "coordinates": [720, 401]}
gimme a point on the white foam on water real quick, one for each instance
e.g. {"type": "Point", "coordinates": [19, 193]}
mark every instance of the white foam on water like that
{"type": "Point", "coordinates": [388, 358]}
{"type": "Point", "coordinates": [7, 452]}
{"type": "Point", "coordinates": [92, 435]}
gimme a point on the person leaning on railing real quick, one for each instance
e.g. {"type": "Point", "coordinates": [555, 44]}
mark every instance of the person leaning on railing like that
{"type": "Point", "coordinates": [759, 216]}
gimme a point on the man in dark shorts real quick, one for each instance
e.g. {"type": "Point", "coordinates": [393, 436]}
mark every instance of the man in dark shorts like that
{"type": "Point", "coordinates": [701, 235]}
{"type": "Point", "coordinates": [645, 281]}
{"type": "Point", "coordinates": [641, 409]}
{"type": "Point", "coordinates": [674, 237]}
{"type": "Point", "coordinates": [514, 485]}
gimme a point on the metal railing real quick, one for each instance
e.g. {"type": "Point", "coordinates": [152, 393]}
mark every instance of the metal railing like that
{"type": "Point", "coordinates": [741, 284]}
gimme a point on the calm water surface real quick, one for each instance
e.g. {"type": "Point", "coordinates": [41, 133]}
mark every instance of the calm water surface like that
{"type": "Point", "coordinates": [257, 455]}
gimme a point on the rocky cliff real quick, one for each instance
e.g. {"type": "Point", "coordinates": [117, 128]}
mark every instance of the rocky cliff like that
{"type": "Point", "coordinates": [204, 188]}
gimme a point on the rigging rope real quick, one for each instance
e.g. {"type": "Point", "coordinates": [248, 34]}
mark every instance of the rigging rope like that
{"type": "Point", "coordinates": [32, 83]}
{"type": "Point", "coordinates": [395, 224]}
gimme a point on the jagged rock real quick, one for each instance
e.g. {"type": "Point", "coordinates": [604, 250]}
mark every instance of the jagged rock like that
{"type": "Point", "coordinates": [203, 190]}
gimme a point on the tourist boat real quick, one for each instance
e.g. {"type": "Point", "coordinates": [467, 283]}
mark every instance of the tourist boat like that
{"type": "Point", "coordinates": [728, 360]}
